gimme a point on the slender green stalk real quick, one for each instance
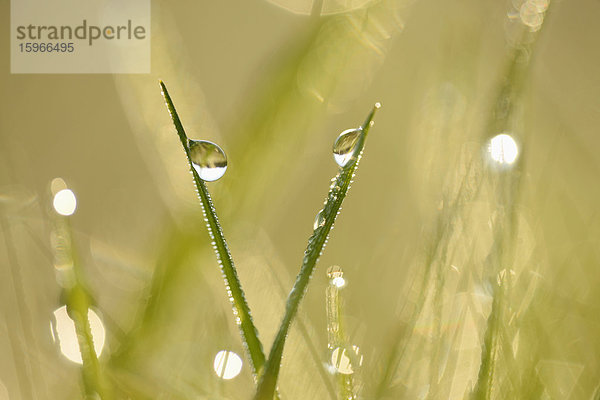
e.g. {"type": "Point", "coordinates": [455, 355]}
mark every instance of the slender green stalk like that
{"type": "Point", "coordinates": [485, 379]}
{"type": "Point", "coordinates": [336, 336]}
{"type": "Point", "coordinates": [168, 268]}
{"type": "Point", "coordinates": [312, 349]}
{"type": "Point", "coordinates": [506, 191]}
{"type": "Point", "coordinates": [241, 310]}
{"type": "Point", "coordinates": [78, 300]}
{"type": "Point", "coordinates": [316, 243]}
{"type": "Point", "coordinates": [23, 364]}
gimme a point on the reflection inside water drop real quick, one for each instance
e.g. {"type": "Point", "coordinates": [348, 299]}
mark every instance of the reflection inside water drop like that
{"type": "Point", "coordinates": [319, 220]}
{"type": "Point", "coordinates": [63, 331]}
{"type": "Point", "coordinates": [345, 148]}
{"type": "Point", "coordinates": [341, 361]}
{"type": "Point", "coordinates": [208, 159]}
{"type": "Point", "coordinates": [227, 364]}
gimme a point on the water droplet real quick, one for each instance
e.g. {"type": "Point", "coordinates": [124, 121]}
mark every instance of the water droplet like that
{"type": "Point", "coordinates": [505, 276]}
{"type": "Point", "coordinates": [208, 159]}
{"type": "Point", "coordinates": [342, 362]}
{"type": "Point", "coordinates": [227, 364]}
{"type": "Point", "coordinates": [345, 146]}
{"type": "Point", "coordinates": [336, 276]}
{"type": "Point", "coordinates": [335, 271]}
{"type": "Point", "coordinates": [56, 185]}
{"type": "Point", "coordinates": [338, 282]}
{"type": "Point", "coordinates": [319, 220]}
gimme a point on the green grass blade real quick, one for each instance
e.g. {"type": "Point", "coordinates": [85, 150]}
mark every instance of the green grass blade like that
{"type": "Point", "coordinates": [169, 267]}
{"type": "Point", "coordinates": [336, 337]}
{"type": "Point", "coordinates": [316, 243]}
{"type": "Point", "coordinates": [234, 288]}
{"type": "Point", "coordinates": [20, 335]}
{"type": "Point", "coordinates": [78, 300]}
{"type": "Point", "coordinates": [485, 379]}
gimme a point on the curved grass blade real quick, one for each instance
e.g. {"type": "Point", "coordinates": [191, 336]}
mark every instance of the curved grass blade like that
{"type": "Point", "coordinates": [339, 188]}
{"type": "Point", "coordinates": [241, 310]}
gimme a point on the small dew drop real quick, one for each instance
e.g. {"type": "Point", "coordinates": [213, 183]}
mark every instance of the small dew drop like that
{"type": "Point", "coordinates": [319, 220]}
{"type": "Point", "coordinates": [227, 364]}
{"type": "Point", "coordinates": [56, 185]}
{"type": "Point", "coordinates": [336, 276]}
{"type": "Point", "coordinates": [338, 282]}
{"type": "Point", "coordinates": [335, 271]}
{"type": "Point", "coordinates": [346, 146]}
{"type": "Point", "coordinates": [208, 159]}
{"type": "Point", "coordinates": [505, 276]}
{"type": "Point", "coordinates": [341, 361]}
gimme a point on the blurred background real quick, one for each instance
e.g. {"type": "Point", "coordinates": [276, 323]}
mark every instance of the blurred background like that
{"type": "Point", "coordinates": [468, 269]}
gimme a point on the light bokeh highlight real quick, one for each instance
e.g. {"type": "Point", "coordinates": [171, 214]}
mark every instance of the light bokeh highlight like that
{"type": "Point", "coordinates": [63, 330]}
{"type": "Point", "coordinates": [503, 149]}
{"type": "Point", "coordinates": [65, 202]}
{"type": "Point", "coordinates": [227, 364]}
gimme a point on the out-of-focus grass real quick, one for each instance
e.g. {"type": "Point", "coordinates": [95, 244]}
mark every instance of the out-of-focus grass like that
{"type": "Point", "coordinates": [478, 282]}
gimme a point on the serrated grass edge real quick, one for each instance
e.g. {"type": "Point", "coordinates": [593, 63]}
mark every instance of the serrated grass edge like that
{"type": "Point", "coordinates": [241, 309]}
{"type": "Point", "coordinates": [268, 380]}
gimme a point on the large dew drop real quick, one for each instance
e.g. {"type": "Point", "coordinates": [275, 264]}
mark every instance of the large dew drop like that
{"type": "Point", "coordinates": [345, 149]}
{"type": "Point", "coordinates": [208, 159]}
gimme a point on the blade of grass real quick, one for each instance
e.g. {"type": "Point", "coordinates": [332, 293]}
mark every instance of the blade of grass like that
{"type": "Point", "coordinates": [337, 339]}
{"type": "Point", "coordinates": [316, 243]}
{"type": "Point", "coordinates": [24, 365]}
{"type": "Point", "coordinates": [303, 329]}
{"type": "Point", "coordinates": [78, 300]}
{"type": "Point", "coordinates": [485, 379]}
{"type": "Point", "coordinates": [270, 107]}
{"type": "Point", "coordinates": [236, 294]}
{"type": "Point", "coordinates": [506, 189]}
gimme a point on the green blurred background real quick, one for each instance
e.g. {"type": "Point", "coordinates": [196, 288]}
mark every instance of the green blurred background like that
{"type": "Point", "coordinates": [420, 234]}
